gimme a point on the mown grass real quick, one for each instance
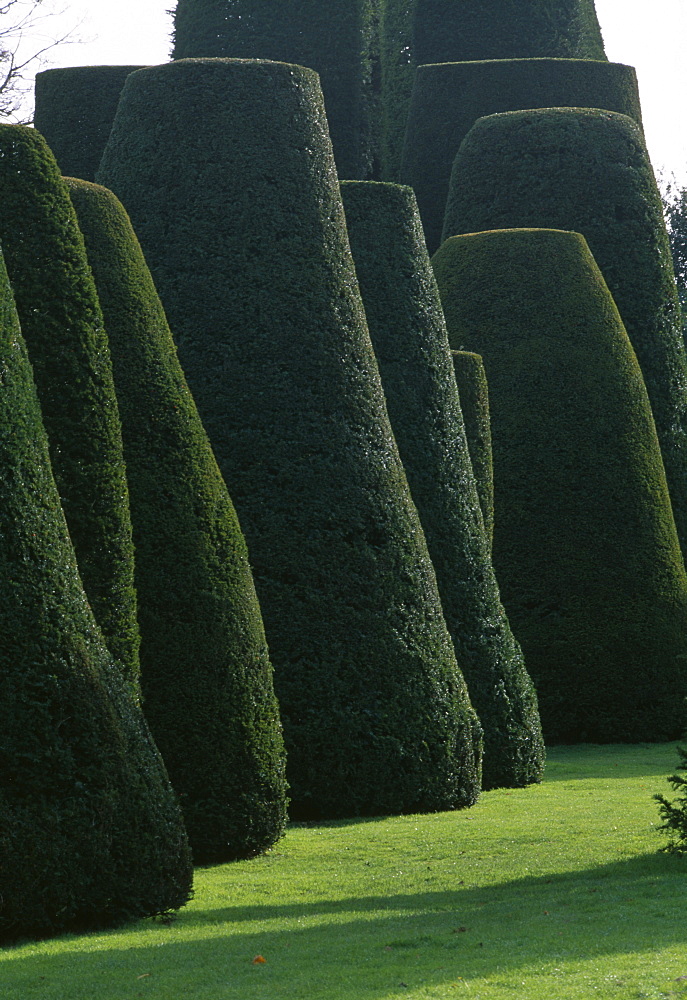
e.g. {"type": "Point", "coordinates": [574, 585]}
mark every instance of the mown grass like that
{"type": "Point", "coordinates": [556, 891]}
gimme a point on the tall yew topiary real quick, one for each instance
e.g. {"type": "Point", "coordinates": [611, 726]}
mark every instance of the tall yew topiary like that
{"type": "Point", "coordinates": [205, 671]}
{"type": "Point", "coordinates": [473, 391]}
{"type": "Point", "coordinates": [90, 831]}
{"type": "Point", "coordinates": [75, 107]}
{"type": "Point", "coordinates": [448, 99]}
{"type": "Point", "coordinates": [411, 345]}
{"type": "Point", "coordinates": [589, 171]}
{"type": "Point", "coordinates": [338, 39]}
{"type": "Point", "coordinates": [585, 547]}
{"type": "Point", "coordinates": [249, 253]}
{"type": "Point", "coordinates": [63, 328]}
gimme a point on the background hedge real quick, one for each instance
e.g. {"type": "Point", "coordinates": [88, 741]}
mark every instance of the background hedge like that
{"type": "Point", "coordinates": [226, 169]}
{"type": "Point", "coordinates": [90, 831]}
{"type": "Point", "coordinates": [473, 391]}
{"type": "Point", "coordinates": [63, 327]}
{"type": "Point", "coordinates": [589, 171]}
{"type": "Point", "coordinates": [205, 672]}
{"type": "Point", "coordinates": [585, 547]}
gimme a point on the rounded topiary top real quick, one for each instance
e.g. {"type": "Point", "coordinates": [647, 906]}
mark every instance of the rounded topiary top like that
{"type": "Point", "coordinates": [587, 170]}
{"type": "Point", "coordinates": [448, 99]}
{"type": "Point", "coordinates": [205, 671]}
{"type": "Point", "coordinates": [75, 107]}
{"type": "Point", "coordinates": [335, 38]}
{"type": "Point", "coordinates": [63, 328]}
{"type": "Point", "coordinates": [91, 833]}
{"type": "Point", "coordinates": [585, 547]}
{"type": "Point", "coordinates": [411, 344]}
{"type": "Point", "coordinates": [474, 402]}
{"type": "Point", "coordinates": [225, 167]}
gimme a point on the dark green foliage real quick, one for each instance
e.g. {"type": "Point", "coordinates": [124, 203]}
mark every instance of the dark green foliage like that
{"type": "Point", "coordinates": [411, 345]}
{"type": "Point", "coordinates": [414, 32]}
{"type": "Point", "coordinates": [675, 211]}
{"type": "Point", "coordinates": [589, 171]}
{"type": "Point", "coordinates": [75, 108]}
{"type": "Point", "coordinates": [248, 251]}
{"type": "Point", "coordinates": [63, 328]}
{"type": "Point", "coordinates": [90, 831]}
{"type": "Point", "coordinates": [338, 39]}
{"type": "Point", "coordinates": [674, 814]}
{"type": "Point", "coordinates": [205, 672]}
{"type": "Point", "coordinates": [474, 402]}
{"type": "Point", "coordinates": [448, 99]}
{"type": "Point", "coordinates": [585, 548]}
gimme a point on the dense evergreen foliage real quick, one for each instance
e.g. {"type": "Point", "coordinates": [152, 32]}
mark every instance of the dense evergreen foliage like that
{"type": "Point", "coordinates": [589, 171]}
{"type": "Point", "coordinates": [585, 547]}
{"type": "Point", "coordinates": [63, 328]}
{"type": "Point", "coordinates": [448, 99]}
{"type": "Point", "coordinates": [205, 671]}
{"type": "Point", "coordinates": [414, 32]}
{"type": "Point", "coordinates": [338, 39]}
{"type": "Point", "coordinates": [409, 338]}
{"type": "Point", "coordinates": [90, 831]}
{"type": "Point", "coordinates": [75, 107]}
{"type": "Point", "coordinates": [248, 250]}
{"type": "Point", "coordinates": [473, 391]}
{"type": "Point", "coordinates": [674, 814]}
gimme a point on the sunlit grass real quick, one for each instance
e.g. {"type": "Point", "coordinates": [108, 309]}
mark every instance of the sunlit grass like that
{"type": "Point", "coordinates": [555, 892]}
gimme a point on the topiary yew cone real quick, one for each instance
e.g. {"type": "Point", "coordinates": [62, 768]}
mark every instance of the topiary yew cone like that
{"type": "Point", "coordinates": [473, 391]}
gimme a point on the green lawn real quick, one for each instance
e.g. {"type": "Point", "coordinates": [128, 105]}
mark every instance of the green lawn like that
{"type": "Point", "coordinates": [550, 892]}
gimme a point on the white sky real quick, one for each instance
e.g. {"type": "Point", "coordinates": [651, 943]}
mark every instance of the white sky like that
{"type": "Point", "coordinates": [650, 35]}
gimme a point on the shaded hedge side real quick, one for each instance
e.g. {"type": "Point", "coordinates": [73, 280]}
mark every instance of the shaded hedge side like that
{"type": "Point", "coordinates": [248, 250]}
{"type": "Point", "coordinates": [411, 345]}
{"type": "Point", "coordinates": [205, 671]}
{"type": "Point", "coordinates": [585, 547]}
{"type": "Point", "coordinates": [63, 327]}
{"type": "Point", "coordinates": [473, 392]}
{"type": "Point", "coordinates": [448, 99]}
{"type": "Point", "coordinates": [75, 108]}
{"type": "Point", "coordinates": [589, 171]}
{"type": "Point", "coordinates": [90, 831]}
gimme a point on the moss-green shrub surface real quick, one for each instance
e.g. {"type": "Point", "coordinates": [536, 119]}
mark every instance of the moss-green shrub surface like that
{"type": "Point", "coordinates": [206, 677]}
{"type": "Point", "coordinates": [75, 107]}
{"type": "Point", "coordinates": [448, 99]}
{"type": "Point", "coordinates": [248, 250]}
{"type": "Point", "coordinates": [473, 391]}
{"type": "Point", "coordinates": [585, 547]}
{"type": "Point", "coordinates": [90, 831]}
{"type": "Point", "coordinates": [409, 337]}
{"type": "Point", "coordinates": [589, 171]}
{"type": "Point", "coordinates": [63, 328]}
{"type": "Point", "coordinates": [414, 32]}
{"type": "Point", "coordinates": [336, 38]}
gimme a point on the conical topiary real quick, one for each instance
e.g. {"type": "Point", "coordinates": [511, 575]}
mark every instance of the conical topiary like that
{"type": "Point", "coordinates": [90, 831]}
{"type": "Point", "coordinates": [411, 344]}
{"type": "Point", "coordinates": [448, 99]}
{"type": "Point", "coordinates": [338, 39]}
{"type": "Point", "coordinates": [205, 671]}
{"type": "Point", "coordinates": [414, 32]}
{"type": "Point", "coordinates": [63, 328]}
{"type": "Point", "coordinates": [589, 171]}
{"type": "Point", "coordinates": [249, 253]}
{"type": "Point", "coordinates": [585, 548]}
{"type": "Point", "coordinates": [473, 391]}
{"type": "Point", "coordinates": [75, 107]}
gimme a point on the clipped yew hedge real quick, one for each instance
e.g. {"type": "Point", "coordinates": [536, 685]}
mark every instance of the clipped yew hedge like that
{"type": "Point", "coordinates": [585, 547]}
{"type": "Point", "coordinates": [63, 328]}
{"type": "Point", "coordinates": [473, 391]}
{"type": "Point", "coordinates": [411, 344]}
{"type": "Point", "coordinates": [91, 833]}
{"type": "Point", "coordinates": [249, 254]}
{"type": "Point", "coordinates": [589, 171]}
{"type": "Point", "coordinates": [205, 671]}
{"type": "Point", "coordinates": [448, 99]}
{"type": "Point", "coordinates": [75, 107]}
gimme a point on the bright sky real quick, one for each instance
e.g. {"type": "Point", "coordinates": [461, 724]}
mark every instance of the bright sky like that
{"type": "Point", "coordinates": [650, 35]}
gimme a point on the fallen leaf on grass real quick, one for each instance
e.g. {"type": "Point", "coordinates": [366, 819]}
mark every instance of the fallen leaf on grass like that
{"type": "Point", "coordinates": [259, 960]}
{"type": "Point", "coordinates": [144, 976]}
{"type": "Point", "coordinates": [680, 978]}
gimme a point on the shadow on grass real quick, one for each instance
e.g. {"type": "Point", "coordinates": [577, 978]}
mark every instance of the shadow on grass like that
{"type": "Point", "coordinates": [590, 760]}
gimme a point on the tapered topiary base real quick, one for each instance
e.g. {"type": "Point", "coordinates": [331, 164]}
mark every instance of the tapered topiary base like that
{"type": "Point", "coordinates": [585, 547]}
